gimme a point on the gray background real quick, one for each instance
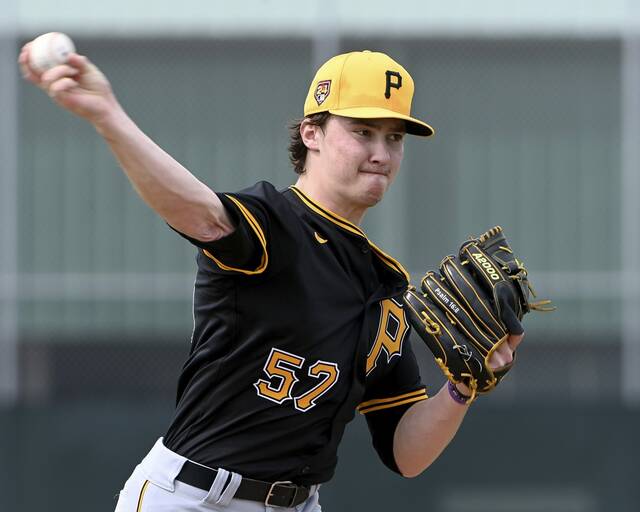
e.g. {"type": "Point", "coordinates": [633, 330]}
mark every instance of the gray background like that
{"type": "Point", "coordinates": [536, 130]}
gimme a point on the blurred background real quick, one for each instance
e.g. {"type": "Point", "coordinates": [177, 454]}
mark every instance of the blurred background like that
{"type": "Point", "coordinates": [536, 108]}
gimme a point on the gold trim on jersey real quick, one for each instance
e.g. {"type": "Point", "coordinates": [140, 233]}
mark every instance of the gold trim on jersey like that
{"type": "Point", "coordinates": [255, 225]}
{"type": "Point", "coordinates": [319, 238]}
{"type": "Point", "coordinates": [395, 404]}
{"type": "Point", "coordinates": [352, 228]}
{"type": "Point", "coordinates": [394, 401]}
{"type": "Point", "coordinates": [141, 497]}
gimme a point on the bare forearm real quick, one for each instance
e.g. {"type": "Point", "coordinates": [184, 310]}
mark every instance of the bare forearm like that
{"type": "Point", "coordinates": [166, 186]}
{"type": "Point", "coordinates": [425, 430]}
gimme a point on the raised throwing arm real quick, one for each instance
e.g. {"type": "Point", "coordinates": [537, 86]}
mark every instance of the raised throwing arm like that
{"type": "Point", "coordinates": [164, 184]}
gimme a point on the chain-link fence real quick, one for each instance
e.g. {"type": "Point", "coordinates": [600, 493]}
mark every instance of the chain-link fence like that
{"type": "Point", "coordinates": [529, 135]}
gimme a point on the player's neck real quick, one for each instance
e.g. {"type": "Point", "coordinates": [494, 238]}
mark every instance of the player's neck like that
{"type": "Point", "coordinates": [331, 201]}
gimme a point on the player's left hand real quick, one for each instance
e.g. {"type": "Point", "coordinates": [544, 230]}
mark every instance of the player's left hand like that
{"type": "Point", "coordinates": [503, 355]}
{"type": "Point", "coordinates": [469, 312]}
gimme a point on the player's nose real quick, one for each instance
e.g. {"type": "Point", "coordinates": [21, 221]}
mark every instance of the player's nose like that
{"type": "Point", "coordinates": [380, 153]}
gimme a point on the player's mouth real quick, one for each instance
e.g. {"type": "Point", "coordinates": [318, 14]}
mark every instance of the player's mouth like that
{"type": "Point", "coordinates": [380, 172]}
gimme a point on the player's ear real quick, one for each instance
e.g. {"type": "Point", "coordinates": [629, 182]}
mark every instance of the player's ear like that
{"type": "Point", "coordinates": [310, 134]}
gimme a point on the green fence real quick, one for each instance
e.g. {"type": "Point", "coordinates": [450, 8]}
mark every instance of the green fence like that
{"type": "Point", "coordinates": [527, 136]}
{"type": "Point", "coordinates": [537, 458]}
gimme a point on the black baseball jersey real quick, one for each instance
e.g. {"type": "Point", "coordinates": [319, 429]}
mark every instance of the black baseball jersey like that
{"type": "Point", "coordinates": [297, 326]}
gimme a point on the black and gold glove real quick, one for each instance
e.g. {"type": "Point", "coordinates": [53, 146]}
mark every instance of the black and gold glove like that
{"type": "Point", "coordinates": [467, 309]}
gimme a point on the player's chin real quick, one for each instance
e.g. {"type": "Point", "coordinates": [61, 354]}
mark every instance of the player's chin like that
{"type": "Point", "coordinates": [375, 187]}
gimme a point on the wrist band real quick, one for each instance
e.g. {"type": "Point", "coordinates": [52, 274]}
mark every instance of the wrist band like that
{"type": "Point", "coordinates": [456, 395]}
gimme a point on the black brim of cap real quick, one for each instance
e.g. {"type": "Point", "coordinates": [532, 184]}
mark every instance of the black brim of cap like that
{"type": "Point", "coordinates": [422, 130]}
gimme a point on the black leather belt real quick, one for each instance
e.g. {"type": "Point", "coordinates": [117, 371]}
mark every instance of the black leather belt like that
{"type": "Point", "coordinates": [276, 494]}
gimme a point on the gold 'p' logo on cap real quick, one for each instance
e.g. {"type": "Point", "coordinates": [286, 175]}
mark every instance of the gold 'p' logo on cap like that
{"type": "Point", "coordinates": [364, 85]}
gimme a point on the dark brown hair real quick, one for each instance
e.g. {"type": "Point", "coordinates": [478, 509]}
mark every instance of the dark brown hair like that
{"type": "Point", "coordinates": [297, 149]}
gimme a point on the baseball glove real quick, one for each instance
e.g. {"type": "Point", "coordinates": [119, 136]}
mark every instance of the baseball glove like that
{"type": "Point", "coordinates": [468, 308]}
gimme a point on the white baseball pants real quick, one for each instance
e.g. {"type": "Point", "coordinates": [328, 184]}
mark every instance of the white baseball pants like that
{"type": "Point", "coordinates": [152, 487]}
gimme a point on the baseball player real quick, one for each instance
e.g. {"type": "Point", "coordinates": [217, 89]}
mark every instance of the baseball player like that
{"type": "Point", "coordinates": [299, 322]}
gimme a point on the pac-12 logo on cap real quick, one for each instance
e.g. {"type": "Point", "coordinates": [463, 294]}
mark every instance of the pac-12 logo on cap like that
{"type": "Point", "coordinates": [322, 91]}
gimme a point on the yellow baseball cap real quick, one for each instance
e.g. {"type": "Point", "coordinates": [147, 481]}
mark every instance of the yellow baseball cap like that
{"type": "Point", "coordinates": [364, 85]}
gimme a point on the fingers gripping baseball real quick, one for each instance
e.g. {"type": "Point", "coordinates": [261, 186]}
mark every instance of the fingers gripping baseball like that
{"type": "Point", "coordinates": [50, 79]}
{"type": "Point", "coordinates": [77, 85]}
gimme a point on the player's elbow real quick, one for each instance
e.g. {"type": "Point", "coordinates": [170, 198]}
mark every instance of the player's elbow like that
{"type": "Point", "coordinates": [210, 232]}
{"type": "Point", "coordinates": [207, 226]}
{"type": "Point", "coordinates": [199, 232]}
{"type": "Point", "coordinates": [409, 467]}
{"type": "Point", "coordinates": [410, 472]}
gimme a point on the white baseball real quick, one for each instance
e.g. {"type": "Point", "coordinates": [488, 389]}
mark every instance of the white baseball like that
{"type": "Point", "coordinates": [49, 50]}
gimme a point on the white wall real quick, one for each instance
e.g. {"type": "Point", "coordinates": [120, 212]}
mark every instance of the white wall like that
{"type": "Point", "coordinates": [410, 17]}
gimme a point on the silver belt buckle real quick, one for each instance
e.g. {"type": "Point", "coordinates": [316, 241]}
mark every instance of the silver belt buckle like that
{"type": "Point", "coordinates": [287, 483]}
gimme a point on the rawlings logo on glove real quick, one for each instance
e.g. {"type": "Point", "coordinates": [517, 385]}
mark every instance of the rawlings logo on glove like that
{"type": "Point", "coordinates": [470, 307]}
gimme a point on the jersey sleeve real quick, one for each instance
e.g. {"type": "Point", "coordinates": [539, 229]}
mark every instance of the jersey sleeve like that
{"type": "Point", "coordinates": [387, 399]}
{"type": "Point", "coordinates": [264, 236]}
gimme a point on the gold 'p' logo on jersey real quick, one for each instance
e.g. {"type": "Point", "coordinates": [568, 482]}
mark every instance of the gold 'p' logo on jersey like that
{"type": "Point", "coordinates": [392, 329]}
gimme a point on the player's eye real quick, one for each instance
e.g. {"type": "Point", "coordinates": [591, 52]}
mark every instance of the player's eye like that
{"type": "Point", "coordinates": [396, 137]}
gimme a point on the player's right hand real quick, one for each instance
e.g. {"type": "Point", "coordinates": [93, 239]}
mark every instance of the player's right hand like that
{"type": "Point", "coordinates": [78, 86]}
